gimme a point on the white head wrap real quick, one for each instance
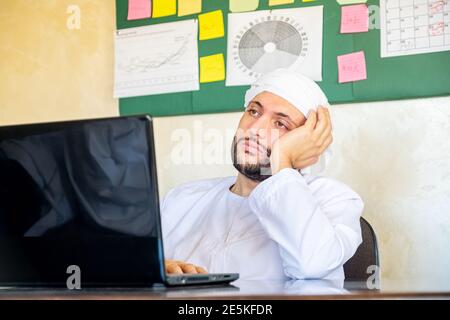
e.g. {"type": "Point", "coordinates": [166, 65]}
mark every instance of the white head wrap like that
{"type": "Point", "coordinates": [294, 87]}
{"type": "Point", "coordinates": [300, 91]}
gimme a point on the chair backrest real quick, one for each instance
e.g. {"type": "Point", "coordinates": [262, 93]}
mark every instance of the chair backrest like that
{"type": "Point", "coordinates": [356, 268]}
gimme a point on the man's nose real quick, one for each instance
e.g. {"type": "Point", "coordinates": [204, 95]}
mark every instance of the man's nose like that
{"type": "Point", "coordinates": [261, 128]}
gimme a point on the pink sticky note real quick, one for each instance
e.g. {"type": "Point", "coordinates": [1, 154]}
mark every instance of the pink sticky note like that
{"type": "Point", "coordinates": [139, 9]}
{"type": "Point", "coordinates": [355, 18]}
{"type": "Point", "coordinates": [352, 67]}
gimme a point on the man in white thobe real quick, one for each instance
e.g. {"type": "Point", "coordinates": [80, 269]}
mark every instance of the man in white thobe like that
{"type": "Point", "coordinates": [272, 221]}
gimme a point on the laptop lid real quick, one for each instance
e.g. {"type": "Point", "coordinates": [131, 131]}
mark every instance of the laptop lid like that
{"type": "Point", "coordinates": [80, 197]}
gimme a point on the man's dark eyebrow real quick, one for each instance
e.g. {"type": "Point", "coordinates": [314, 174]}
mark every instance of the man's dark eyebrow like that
{"type": "Point", "coordinates": [283, 115]}
{"type": "Point", "coordinates": [257, 103]}
{"type": "Point", "coordinates": [280, 114]}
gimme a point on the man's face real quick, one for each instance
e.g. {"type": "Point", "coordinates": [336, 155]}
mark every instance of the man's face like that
{"type": "Point", "coordinates": [267, 118]}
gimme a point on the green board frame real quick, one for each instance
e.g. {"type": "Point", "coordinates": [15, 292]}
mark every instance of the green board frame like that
{"type": "Point", "coordinates": [388, 78]}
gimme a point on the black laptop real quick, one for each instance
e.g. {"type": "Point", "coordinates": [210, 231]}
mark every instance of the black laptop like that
{"type": "Point", "coordinates": [80, 199]}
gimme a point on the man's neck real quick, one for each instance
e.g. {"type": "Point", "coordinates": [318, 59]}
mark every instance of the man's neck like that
{"type": "Point", "coordinates": [243, 185]}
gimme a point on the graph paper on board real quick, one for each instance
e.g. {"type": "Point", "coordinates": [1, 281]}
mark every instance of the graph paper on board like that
{"type": "Point", "coordinates": [414, 26]}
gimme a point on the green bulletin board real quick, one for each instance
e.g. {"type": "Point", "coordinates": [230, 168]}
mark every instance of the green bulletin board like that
{"type": "Point", "coordinates": [388, 78]}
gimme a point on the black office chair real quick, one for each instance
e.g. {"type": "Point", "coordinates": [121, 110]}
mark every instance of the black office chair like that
{"type": "Point", "coordinates": [366, 255]}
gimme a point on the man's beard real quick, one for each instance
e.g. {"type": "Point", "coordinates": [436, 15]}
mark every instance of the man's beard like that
{"type": "Point", "coordinates": [254, 171]}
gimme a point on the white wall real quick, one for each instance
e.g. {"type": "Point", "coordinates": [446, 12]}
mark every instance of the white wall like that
{"type": "Point", "coordinates": [396, 155]}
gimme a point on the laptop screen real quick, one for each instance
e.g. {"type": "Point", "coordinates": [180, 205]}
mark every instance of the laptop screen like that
{"type": "Point", "coordinates": [77, 193]}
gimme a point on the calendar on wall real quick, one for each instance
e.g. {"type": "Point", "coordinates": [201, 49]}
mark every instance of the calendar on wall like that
{"type": "Point", "coordinates": [414, 26]}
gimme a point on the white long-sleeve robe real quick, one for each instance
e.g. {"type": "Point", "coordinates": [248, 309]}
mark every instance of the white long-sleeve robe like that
{"type": "Point", "coordinates": [291, 226]}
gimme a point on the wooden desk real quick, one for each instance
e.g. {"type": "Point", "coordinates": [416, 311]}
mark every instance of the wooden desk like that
{"type": "Point", "coordinates": [254, 290]}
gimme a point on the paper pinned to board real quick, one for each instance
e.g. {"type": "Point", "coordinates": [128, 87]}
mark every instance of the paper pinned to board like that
{"type": "Point", "coordinates": [279, 2]}
{"type": "Point", "coordinates": [212, 68]}
{"type": "Point", "coordinates": [265, 40]}
{"type": "Point", "coordinates": [355, 18]}
{"type": "Point", "coordinates": [164, 8]}
{"type": "Point", "coordinates": [139, 9]}
{"type": "Point", "coordinates": [352, 67]}
{"type": "Point", "coordinates": [407, 29]}
{"type": "Point", "coordinates": [211, 25]}
{"type": "Point", "coordinates": [188, 7]}
{"type": "Point", "coordinates": [243, 5]}
{"type": "Point", "coordinates": [160, 58]}
{"type": "Point", "coordinates": [345, 2]}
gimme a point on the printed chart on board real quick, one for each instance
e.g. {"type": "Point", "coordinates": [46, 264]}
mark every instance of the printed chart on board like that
{"type": "Point", "coordinates": [157, 59]}
{"type": "Point", "coordinates": [414, 26]}
{"type": "Point", "coordinates": [262, 41]}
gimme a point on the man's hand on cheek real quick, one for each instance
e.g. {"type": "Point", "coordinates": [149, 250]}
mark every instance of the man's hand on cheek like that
{"type": "Point", "coordinates": [302, 147]}
{"type": "Point", "coordinates": [179, 267]}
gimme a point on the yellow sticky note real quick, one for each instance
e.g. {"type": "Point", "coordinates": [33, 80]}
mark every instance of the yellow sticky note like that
{"type": "Point", "coordinates": [187, 7]}
{"type": "Point", "coordinates": [211, 25]}
{"type": "Point", "coordinates": [212, 68]}
{"type": "Point", "coordinates": [243, 5]}
{"type": "Point", "coordinates": [308, 0]}
{"type": "Point", "coordinates": [164, 8]}
{"type": "Point", "coordinates": [278, 2]}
